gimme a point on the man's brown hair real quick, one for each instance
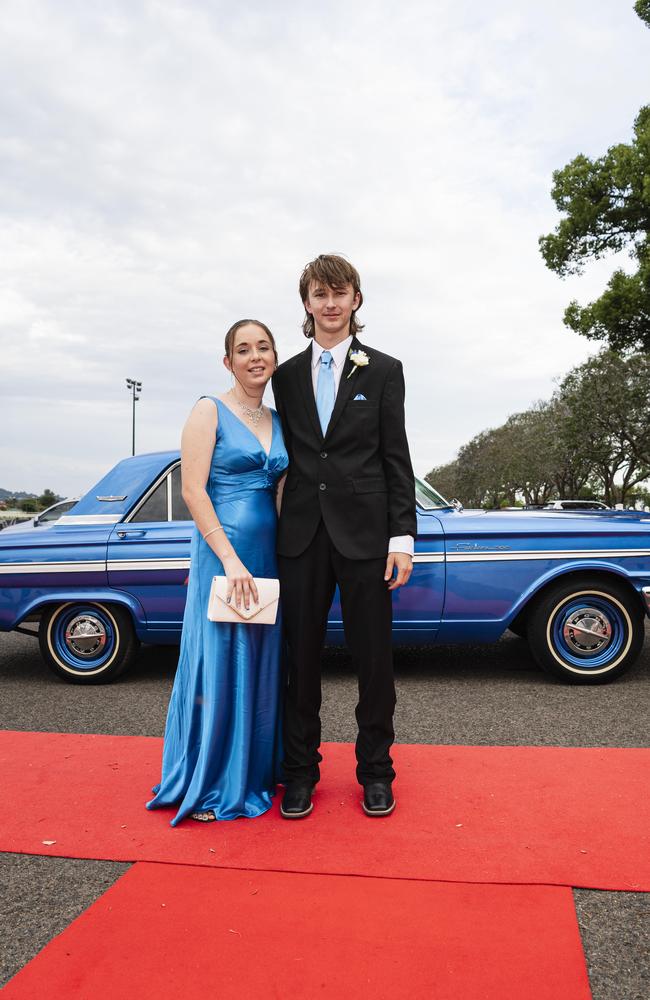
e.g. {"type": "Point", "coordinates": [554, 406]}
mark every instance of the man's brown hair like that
{"type": "Point", "coordinates": [335, 272]}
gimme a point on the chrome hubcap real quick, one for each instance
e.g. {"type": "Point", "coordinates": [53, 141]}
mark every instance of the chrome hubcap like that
{"type": "Point", "coordinates": [85, 635]}
{"type": "Point", "coordinates": [587, 631]}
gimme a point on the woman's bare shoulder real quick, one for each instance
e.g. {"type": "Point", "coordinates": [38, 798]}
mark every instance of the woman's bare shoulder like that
{"type": "Point", "coordinates": [204, 415]}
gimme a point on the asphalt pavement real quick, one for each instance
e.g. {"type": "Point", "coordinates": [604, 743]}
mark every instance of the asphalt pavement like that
{"type": "Point", "coordinates": [490, 695]}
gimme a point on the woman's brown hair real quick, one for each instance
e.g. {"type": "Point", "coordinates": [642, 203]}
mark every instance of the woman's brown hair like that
{"type": "Point", "coordinates": [232, 333]}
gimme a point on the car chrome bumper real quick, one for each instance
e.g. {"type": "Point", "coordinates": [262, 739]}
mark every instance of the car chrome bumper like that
{"type": "Point", "coordinates": [646, 596]}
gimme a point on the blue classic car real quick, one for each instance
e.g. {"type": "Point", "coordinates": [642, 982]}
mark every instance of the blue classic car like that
{"type": "Point", "coordinates": [113, 571]}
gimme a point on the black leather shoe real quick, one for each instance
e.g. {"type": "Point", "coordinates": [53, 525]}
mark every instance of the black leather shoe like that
{"type": "Point", "coordinates": [297, 802]}
{"type": "Point", "coordinates": [378, 799]}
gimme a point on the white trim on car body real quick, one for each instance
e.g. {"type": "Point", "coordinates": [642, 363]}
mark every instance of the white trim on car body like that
{"type": "Point", "coordinates": [118, 565]}
{"type": "Point", "coordinates": [135, 565]}
{"type": "Point", "coordinates": [68, 519]}
{"type": "Point", "coordinates": [79, 566]}
{"type": "Point", "coordinates": [546, 554]}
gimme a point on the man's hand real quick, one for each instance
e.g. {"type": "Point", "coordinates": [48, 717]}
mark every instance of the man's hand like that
{"type": "Point", "coordinates": [401, 562]}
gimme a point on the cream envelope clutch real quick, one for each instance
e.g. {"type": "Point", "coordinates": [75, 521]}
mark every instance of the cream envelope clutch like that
{"type": "Point", "coordinates": [264, 613]}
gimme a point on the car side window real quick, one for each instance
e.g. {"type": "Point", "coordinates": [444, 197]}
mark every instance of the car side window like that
{"type": "Point", "coordinates": [179, 507]}
{"type": "Point", "coordinates": [155, 507]}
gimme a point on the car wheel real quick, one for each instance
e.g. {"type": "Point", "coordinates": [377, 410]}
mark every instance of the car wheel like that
{"type": "Point", "coordinates": [519, 630]}
{"type": "Point", "coordinates": [586, 632]}
{"type": "Point", "coordinates": [87, 643]}
{"type": "Point", "coordinates": [519, 626]}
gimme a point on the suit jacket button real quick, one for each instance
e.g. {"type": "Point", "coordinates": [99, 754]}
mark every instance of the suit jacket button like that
{"type": "Point", "coordinates": [323, 454]}
{"type": "Point", "coordinates": [323, 486]}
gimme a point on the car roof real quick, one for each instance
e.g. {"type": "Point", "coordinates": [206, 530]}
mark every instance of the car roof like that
{"type": "Point", "coordinates": [124, 484]}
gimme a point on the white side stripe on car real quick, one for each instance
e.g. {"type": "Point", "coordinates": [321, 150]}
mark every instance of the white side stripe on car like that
{"type": "Point", "coordinates": [79, 566]}
{"type": "Point", "coordinates": [115, 565]}
{"type": "Point", "coordinates": [545, 554]}
{"type": "Point", "coordinates": [138, 565]}
{"type": "Point", "coordinates": [69, 519]}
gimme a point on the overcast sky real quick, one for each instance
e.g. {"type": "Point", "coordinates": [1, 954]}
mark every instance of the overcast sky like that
{"type": "Point", "coordinates": [168, 167]}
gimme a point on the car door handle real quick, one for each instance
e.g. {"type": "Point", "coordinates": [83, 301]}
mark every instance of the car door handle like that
{"type": "Point", "coordinates": [135, 533]}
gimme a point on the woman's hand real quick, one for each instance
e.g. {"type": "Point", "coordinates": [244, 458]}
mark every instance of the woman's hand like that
{"type": "Point", "coordinates": [240, 583]}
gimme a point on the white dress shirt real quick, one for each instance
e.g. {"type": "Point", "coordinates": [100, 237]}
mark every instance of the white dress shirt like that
{"type": "Point", "coordinates": [339, 354]}
{"type": "Point", "coordinates": [401, 543]}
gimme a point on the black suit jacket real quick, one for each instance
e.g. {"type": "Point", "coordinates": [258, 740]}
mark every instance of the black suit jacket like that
{"type": "Point", "coordinates": [359, 477]}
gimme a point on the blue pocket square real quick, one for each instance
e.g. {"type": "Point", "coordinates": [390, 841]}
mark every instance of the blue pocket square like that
{"type": "Point", "coordinates": [358, 396]}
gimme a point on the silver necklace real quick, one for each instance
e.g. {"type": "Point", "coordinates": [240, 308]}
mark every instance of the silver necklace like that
{"type": "Point", "coordinates": [254, 414]}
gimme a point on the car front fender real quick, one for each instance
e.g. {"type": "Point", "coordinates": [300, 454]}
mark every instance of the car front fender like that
{"type": "Point", "coordinates": [567, 569]}
{"type": "Point", "coordinates": [35, 602]}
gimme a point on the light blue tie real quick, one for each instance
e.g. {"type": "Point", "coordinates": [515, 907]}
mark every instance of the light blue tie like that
{"type": "Point", "coordinates": [325, 390]}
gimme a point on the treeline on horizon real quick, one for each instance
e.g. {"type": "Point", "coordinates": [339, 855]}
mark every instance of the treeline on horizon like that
{"type": "Point", "coordinates": [590, 440]}
{"type": "Point", "coordinates": [29, 503]}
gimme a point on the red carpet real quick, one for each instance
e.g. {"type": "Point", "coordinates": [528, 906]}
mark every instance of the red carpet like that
{"type": "Point", "coordinates": [526, 815]}
{"type": "Point", "coordinates": [179, 931]}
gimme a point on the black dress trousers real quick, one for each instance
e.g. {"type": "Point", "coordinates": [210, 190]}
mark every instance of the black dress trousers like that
{"type": "Point", "coordinates": [307, 584]}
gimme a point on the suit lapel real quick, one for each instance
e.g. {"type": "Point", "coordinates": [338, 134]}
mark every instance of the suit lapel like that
{"type": "Point", "coordinates": [307, 388]}
{"type": "Point", "coordinates": [346, 386]}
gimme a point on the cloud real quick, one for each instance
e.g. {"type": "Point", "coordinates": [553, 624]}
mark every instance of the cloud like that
{"type": "Point", "coordinates": [170, 166]}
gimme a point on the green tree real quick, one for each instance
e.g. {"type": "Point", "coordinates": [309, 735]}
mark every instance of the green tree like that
{"type": "Point", "coordinates": [46, 499]}
{"type": "Point", "coordinates": [529, 439]}
{"type": "Point", "coordinates": [607, 420]}
{"type": "Point", "coordinates": [606, 207]}
{"type": "Point", "coordinates": [481, 475]}
{"type": "Point", "coordinates": [500, 463]}
{"type": "Point", "coordinates": [29, 505]}
{"type": "Point", "coordinates": [592, 439]}
{"type": "Point", "coordinates": [642, 7]}
{"type": "Point", "coordinates": [444, 479]}
{"type": "Point", "coordinates": [572, 468]}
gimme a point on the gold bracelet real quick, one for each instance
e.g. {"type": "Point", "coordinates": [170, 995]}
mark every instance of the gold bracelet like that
{"type": "Point", "coordinates": [212, 530]}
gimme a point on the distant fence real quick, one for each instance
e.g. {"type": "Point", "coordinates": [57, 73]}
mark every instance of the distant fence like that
{"type": "Point", "coordinates": [8, 517]}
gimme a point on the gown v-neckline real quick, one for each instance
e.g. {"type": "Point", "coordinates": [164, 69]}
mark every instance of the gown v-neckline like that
{"type": "Point", "coordinates": [250, 431]}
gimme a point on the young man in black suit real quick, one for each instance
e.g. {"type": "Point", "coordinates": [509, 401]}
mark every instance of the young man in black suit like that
{"type": "Point", "coordinates": [347, 517]}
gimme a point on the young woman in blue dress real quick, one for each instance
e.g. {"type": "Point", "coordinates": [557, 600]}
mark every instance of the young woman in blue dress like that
{"type": "Point", "coordinates": [222, 745]}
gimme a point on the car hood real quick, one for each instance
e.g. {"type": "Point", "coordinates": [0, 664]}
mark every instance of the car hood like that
{"type": "Point", "coordinates": [52, 542]}
{"type": "Point", "coordinates": [28, 524]}
{"type": "Point", "coordinates": [544, 522]}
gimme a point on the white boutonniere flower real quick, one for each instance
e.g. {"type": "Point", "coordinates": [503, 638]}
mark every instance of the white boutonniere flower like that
{"type": "Point", "coordinates": [359, 359]}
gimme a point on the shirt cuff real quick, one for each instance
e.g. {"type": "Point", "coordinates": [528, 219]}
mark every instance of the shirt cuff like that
{"type": "Point", "coordinates": [402, 543]}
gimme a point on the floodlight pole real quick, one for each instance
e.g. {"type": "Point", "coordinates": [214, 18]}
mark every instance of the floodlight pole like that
{"type": "Point", "coordinates": [136, 388]}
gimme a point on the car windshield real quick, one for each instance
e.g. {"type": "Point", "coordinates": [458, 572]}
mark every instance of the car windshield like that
{"type": "Point", "coordinates": [55, 512]}
{"type": "Point", "coordinates": [428, 498]}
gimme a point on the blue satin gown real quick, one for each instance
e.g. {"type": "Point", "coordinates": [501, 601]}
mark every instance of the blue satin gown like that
{"type": "Point", "coordinates": [222, 739]}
